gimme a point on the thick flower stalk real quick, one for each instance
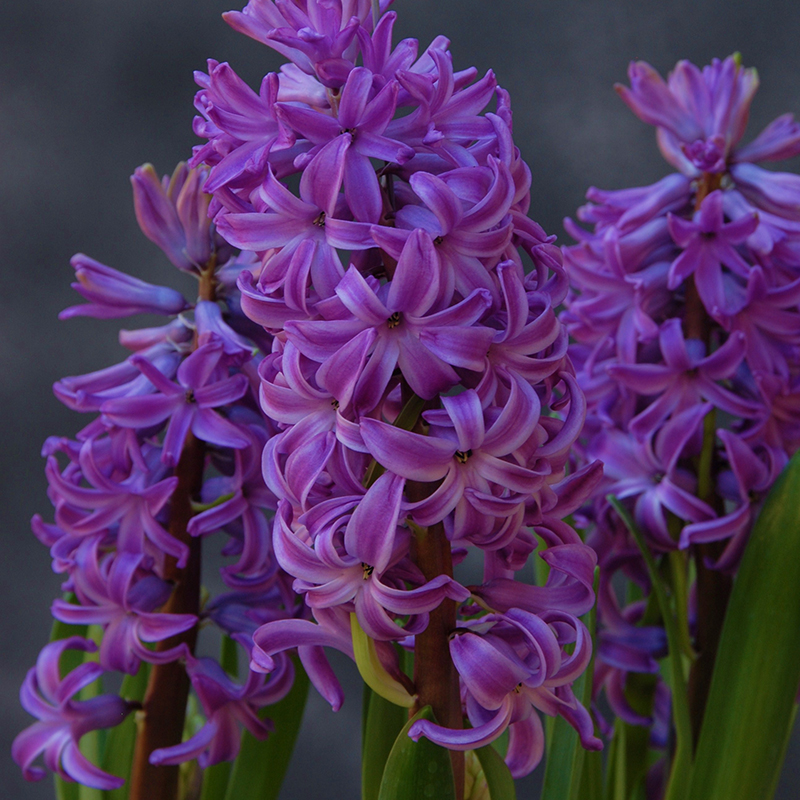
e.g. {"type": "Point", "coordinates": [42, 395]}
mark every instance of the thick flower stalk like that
{"type": "Point", "coordinates": [171, 455]}
{"type": "Point", "coordinates": [685, 315]}
{"type": "Point", "coordinates": [418, 379]}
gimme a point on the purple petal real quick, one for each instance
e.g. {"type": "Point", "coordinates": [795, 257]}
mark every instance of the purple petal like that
{"type": "Point", "coordinates": [370, 532]}
{"type": "Point", "coordinates": [361, 188]}
{"type": "Point", "coordinates": [467, 415]}
{"type": "Point", "coordinates": [415, 284]}
{"type": "Point", "coordinates": [439, 198]}
{"type": "Point", "coordinates": [490, 673]}
{"type": "Point", "coordinates": [411, 455]}
{"type": "Point", "coordinates": [468, 739]}
{"type": "Point", "coordinates": [322, 178]}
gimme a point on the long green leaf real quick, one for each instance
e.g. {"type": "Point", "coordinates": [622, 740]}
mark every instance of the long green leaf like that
{"type": "Point", "coordinates": [565, 755]}
{"type": "Point", "coordinates": [120, 741]}
{"type": "Point", "coordinates": [66, 790]}
{"type": "Point", "coordinates": [591, 787]}
{"type": "Point", "coordinates": [757, 669]}
{"type": "Point", "coordinates": [258, 771]}
{"type": "Point", "coordinates": [384, 721]}
{"type": "Point", "coordinates": [216, 777]}
{"type": "Point", "coordinates": [417, 770]}
{"type": "Point", "coordinates": [498, 778]}
{"type": "Point", "coordinates": [215, 781]}
{"type": "Point", "coordinates": [682, 761]}
{"type": "Point", "coordinates": [92, 743]}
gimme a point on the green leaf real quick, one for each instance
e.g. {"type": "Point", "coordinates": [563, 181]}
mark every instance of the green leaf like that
{"type": "Point", "coordinates": [66, 790]}
{"type": "Point", "coordinates": [616, 788]}
{"type": "Point", "coordinates": [498, 778]}
{"type": "Point", "coordinates": [92, 743]}
{"type": "Point", "coordinates": [417, 770]}
{"type": "Point", "coordinates": [757, 669]}
{"type": "Point", "coordinates": [61, 630]}
{"type": "Point", "coordinates": [384, 721]}
{"type": "Point", "coordinates": [120, 741]}
{"type": "Point", "coordinates": [591, 785]}
{"type": "Point", "coordinates": [215, 781]}
{"type": "Point", "coordinates": [216, 777]}
{"type": "Point", "coordinates": [229, 656]}
{"type": "Point", "coordinates": [682, 761]}
{"type": "Point", "coordinates": [565, 755]}
{"type": "Point", "coordinates": [258, 771]}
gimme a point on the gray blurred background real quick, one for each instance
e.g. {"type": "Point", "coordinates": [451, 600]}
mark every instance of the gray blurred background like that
{"type": "Point", "coordinates": [91, 89]}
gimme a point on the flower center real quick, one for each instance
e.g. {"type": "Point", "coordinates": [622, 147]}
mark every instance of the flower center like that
{"type": "Point", "coordinates": [368, 570]}
{"type": "Point", "coordinates": [438, 240]}
{"type": "Point", "coordinates": [394, 320]}
{"type": "Point", "coordinates": [335, 403]}
{"type": "Point", "coordinates": [190, 396]}
{"type": "Point", "coordinates": [462, 456]}
{"type": "Point", "coordinates": [320, 220]}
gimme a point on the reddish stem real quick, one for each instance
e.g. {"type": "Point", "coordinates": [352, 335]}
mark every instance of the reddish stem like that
{"type": "Point", "coordinates": [160, 722]}
{"type": "Point", "coordinates": [435, 675]}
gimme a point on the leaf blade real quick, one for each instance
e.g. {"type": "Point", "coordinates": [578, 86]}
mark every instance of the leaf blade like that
{"type": "Point", "coordinates": [565, 755]}
{"type": "Point", "coordinates": [757, 669]}
{"type": "Point", "coordinates": [383, 723]}
{"type": "Point", "coordinates": [498, 778]}
{"type": "Point", "coordinates": [417, 770]}
{"type": "Point", "coordinates": [258, 772]}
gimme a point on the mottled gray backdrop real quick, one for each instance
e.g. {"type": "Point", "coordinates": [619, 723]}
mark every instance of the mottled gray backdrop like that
{"type": "Point", "coordinates": [91, 89]}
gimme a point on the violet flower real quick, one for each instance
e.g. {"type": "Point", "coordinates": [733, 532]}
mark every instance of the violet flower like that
{"type": "Point", "coordinates": [700, 325]}
{"type": "Point", "coordinates": [112, 596]}
{"type": "Point", "coordinates": [64, 720]}
{"type": "Point", "coordinates": [113, 294]}
{"type": "Point", "coordinates": [187, 404]}
{"type": "Point", "coordinates": [226, 705]}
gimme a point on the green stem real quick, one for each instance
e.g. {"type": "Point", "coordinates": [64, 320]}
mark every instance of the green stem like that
{"type": "Point", "coordinates": [680, 591]}
{"type": "Point", "coordinates": [682, 762]}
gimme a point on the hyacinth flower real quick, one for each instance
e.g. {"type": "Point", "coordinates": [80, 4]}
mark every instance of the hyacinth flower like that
{"type": "Point", "coordinates": [63, 720]}
{"type": "Point", "coordinates": [369, 359]}
{"type": "Point", "coordinates": [421, 395]}
{"type": "Point", "coordinates": [693, 389]}
{"type": "Point", "coordinates": [172, 454]}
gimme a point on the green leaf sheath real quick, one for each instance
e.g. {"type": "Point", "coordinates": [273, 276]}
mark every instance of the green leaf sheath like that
{"type": "Point", "coordinates": [757, 671]}
{"type": "Point", "coordinates": [417, 770]}
{"type": "Point", "coordinates": [383, 723]}
{"type": "Point", "coordinates": [259, 770]}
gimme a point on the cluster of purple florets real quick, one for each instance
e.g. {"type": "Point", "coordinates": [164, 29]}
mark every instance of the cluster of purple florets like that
{"type": "Point", "coordinates": [178, 423]}
{"type": "Point", "coordinates": [686, 321]}
{"type": "Point", "coordinates": [369, 358]}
